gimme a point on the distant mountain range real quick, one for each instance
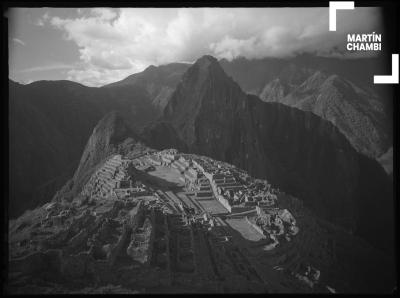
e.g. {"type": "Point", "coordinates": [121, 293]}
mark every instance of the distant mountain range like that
{"type": "Point", "coordinates": [306, 127]}
{"type": "Point", "coordinates": [359, 115]}
{"type": "Point", "coordinates": [158, 82]}
{"type": "Point", "coordinates": [340, 91]}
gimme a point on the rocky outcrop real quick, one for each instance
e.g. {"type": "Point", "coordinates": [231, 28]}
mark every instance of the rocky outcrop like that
{"type": "Point", "coordinates": [274, 91]}
{"type": "Point", "coordinates": [139, 248]}
{"type": "Point", "coordinates": [108, 137]}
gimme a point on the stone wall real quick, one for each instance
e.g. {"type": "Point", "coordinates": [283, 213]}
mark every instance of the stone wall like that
{"type": "Point", "coordinates": [256, 227]}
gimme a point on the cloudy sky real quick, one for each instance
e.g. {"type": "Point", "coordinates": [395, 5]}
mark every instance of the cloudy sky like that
{"type": "Point", "coordinates": [96, 46]}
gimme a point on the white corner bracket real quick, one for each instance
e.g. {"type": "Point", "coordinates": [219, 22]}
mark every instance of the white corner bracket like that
{"type": "Point", "coordinates": [333, 7]}
{"type": "Point", "coordinates": [394, 78]}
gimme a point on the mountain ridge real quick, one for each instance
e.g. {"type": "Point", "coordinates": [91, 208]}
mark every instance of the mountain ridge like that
{"type": "Point", "coordinates": [359, 116]}
{"type": "Point", "coordinates": [157, 81]}
{"type": "Point", "coordinates": [135, 103]}
{"type": "Point", "coordinates": [50, 123]}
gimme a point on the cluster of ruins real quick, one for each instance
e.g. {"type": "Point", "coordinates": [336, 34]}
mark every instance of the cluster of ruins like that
{"type": "Point", "coordinates": [122, 230]}
{"type": "Point", "coordinates": [235, 190]}
{"type": "Point", "coordinates": [275, 224]}
{"type": "Point", "coordinates": [113, 179]}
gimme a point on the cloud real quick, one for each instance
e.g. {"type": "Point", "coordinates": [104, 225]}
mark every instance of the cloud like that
{"type": "Point", "coordinates": [104, 13]}
{"type": "Point", "coordinates": [42, 20]}
{"type": "Point", "coordinates": [114, 43]}
{"type": "Point", "coordinates": [56, 66]}
{"type": "Point", "coordinates": [16, 40]}
{"type": "Point", "coordinates": [39, 22]}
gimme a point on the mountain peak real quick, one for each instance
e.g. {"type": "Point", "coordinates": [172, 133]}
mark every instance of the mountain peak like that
{"type": "Point", "coordinates": [336, 80]}
{"type": "Point", "coordinates": [206, 66]}
{"type": "Point", "coordinates": [206, 60]}
{"type": "Point", "coordinates": [315, 80]}
{"type": "Point", "coordinates": [204, 87]}
{"type": "Point", "coordinates": [150, 68]}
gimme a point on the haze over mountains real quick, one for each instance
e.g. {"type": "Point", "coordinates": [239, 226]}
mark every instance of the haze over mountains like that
{"type": "Point", "coordinates": [311, 136]}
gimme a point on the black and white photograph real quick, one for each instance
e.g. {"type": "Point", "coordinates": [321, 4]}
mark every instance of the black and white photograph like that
{"type": "Point", "coordinates": [200, 149]}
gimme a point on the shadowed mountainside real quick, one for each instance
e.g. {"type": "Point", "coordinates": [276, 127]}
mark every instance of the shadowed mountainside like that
{"type": "Point", "coordinates": [110, 136]}
{"type": "Point", "coordinates": [360, 116]}
{"type": "Point", "coordinates": [50, 122]}
{"type": "Point", "coordinates": [340, 91]}
{"type": "Point", "coordinates": [296, 150]}
{"type": "Point", "coordinates": [158, 82]}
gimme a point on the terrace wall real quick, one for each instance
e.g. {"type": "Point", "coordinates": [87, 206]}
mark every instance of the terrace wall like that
{"type": "Point", "coordinates": [255, 226]}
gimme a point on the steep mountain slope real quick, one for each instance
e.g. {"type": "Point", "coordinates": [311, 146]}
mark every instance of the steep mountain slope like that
{"type": "Point", "coordinates": [366, 109]}
{"type": "Point", "coordinates": [105, 139]}
{"type": "Point", "coordinates": [296, 150]}
{"type": "Point", "coordinates": [273, 79]}
{"type": "Point", "coordinates": [360, 116]}
{"type": "Point", "coordinates": [290, 77]}
{"type": "Point", "coordinates": [44, 143]}
{"type": "Point", "coordinates": [349, 99]}
{"type": "Point", "coordinates": [110, 136]}
{"type": "Point", "coordinates": [158, 82]}
{"type": "Point", "coordinates": [50, 122]}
